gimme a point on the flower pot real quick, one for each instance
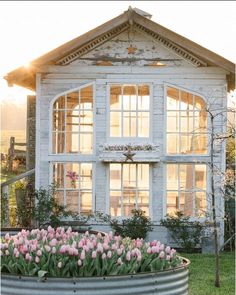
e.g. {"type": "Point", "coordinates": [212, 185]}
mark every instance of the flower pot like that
{"type": "Point", "coordinates": [171, 282]}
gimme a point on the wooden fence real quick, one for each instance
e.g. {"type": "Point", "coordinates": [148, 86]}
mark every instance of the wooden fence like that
{"type": "Point", "coordinates": [14, 153]}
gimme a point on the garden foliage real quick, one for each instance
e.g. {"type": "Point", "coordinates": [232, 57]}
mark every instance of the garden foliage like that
{"type": "Point", "coordinates": [187, 234]}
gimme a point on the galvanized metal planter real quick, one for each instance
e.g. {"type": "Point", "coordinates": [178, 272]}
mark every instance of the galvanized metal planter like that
{"type": "Point", "coordinates": [169, 282]}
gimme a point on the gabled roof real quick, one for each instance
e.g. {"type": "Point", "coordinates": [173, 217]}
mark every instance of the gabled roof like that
{"type": "Point", "coordinates": [75, 48]}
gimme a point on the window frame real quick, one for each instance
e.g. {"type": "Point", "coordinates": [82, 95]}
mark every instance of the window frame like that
{"type": "Point", "coordinates": [123, 139]}
{"type": "Point", "coordinates": [50, 146]}
{"type": "Point", "coordinates": [51, 163]}
{"type": "Point", "coordinates": [150, 190]}
{"type": "Point", "coordinates": [180, 88]}
{"type": "Point", "coordinates": [208, 199]}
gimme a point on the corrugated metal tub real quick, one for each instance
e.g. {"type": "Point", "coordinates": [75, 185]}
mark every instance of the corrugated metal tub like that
{"type": "Point", "coordinates": [169, 282]}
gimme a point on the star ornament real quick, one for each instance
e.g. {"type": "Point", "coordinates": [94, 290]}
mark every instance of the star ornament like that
{"type": "Point", "coordinates": [129, 155]}
{"type": "Point", "coordinates": [131, 49]}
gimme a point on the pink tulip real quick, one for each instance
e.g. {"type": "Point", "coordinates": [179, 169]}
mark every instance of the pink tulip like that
{"type": "Point", "coordinates": [168, 257]}
{"type": "Point", "coordinates": [79, 262]}
{"type": "Point", "coordinates": [104, 256]}
{"type": "Point", "coordinates": [162, 255]}
{"type": "Point", "coordinates": [128, 256]}
{"type": "Point", "coordinates": [94, 254]}
{"type": "Point", "coordinates": [82, 255]}
{"type": "Point", "coordinates": [162, 247]}
{"type": "Point", "coordinates": [167, 250]}
{"type": "Point", "coordinates": [59, 265]}
{"type": "Point", "coordinates": [47, 248]}
{"type": "Point", "coordinates": [53, 243]}
{"type": "Point", "coordinates": [119, 251]}
{"type": "Point", "coordinates": [37, 259]}
{"type": "Point", "coordinates": [109, 254]}
{"type": "Point", "coordinates": [39, 253]}
{"type": "Point", "coordinates": [7, 253]}
{"type": "Point", "coordinates": [119, 261]}
{"type": "Point", "coordinates": [139, 258]}
{"type": "Point", "coordinates": [54, 250]}
{"type": "Point", "coordinates": [149, 250]}
{"type": "Point", "coordinates": [28, 257]}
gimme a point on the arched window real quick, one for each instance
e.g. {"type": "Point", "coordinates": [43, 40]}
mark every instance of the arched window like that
{"type": "Point", "coordinates": [186, 123]}
{"type": "Point", "coordinates": [73, 122]}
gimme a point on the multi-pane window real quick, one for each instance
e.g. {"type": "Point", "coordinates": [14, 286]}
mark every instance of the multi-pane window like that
{"type": "Point", "coordinates": [73, 122]}
{"type": "Point", "coordinates": [129, 188]}
{"type": "Point", "coordinates": [186, 189]}
{"type": "Point", "coordinates": [186, 123]}
{"type": "Point", "coordinates": [129, 110]}
{"type": "Point", "coordinates": [73, 182]}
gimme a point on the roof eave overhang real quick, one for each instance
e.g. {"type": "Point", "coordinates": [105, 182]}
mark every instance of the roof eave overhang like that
{"type": "Point", "coordinates": [26, 76]}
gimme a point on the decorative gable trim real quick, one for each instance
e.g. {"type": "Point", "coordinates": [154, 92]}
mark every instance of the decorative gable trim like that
{"type": "Point", "coordinates": [186, 55]}
{"type": "Point", "coordinates": [172, 46]}
{"type": "Point", "coordinates": [91, 45]}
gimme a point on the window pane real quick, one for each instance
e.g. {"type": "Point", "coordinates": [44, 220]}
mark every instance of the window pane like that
{"type": "Point", "coordinates": [129, 124]}
{"type": "Point", "coordinates": [58, 175]}
{"type": "Point", "coordinates": [59, 197]}
{"type": "Point", "coordinates": [59, 103]}
{"type": "Point", "coordinates": [143, 124]}
{"type": "Point", "coordinates": [58, 121]}
{"type": "Point", "coordinates": [186, 203]}
{"type": "Point", "coordinates": [129, 98]}
{"type": "Point", "coordinates": [200, 176]}
{"type": "Point", "coordinates": [200, 143]}
{"type": "Point", "coordinates": [129, 176]}
{"type": "Point", "coordinates": [172, 202]}
{"type": "Point", "coordinates": [143, 176]}
{"type": "Point", "coordinates": [86, 202]}
{"type": "Point", "coordinates": [115, 124]}
{"type": "Point", "coordinates": [72, 121]}
{"type": "Point", "coordinates": [129, 201]}
{"type": "Point", "coordinates": [86, 98]}
{"type": "Point", "coordinates": [115, 176]}
{"type": "Point", "coordinates": [143, 97]}
{"type": "Point", "coordinates": [200, 204]}
{"type": "Point", "coordinates": [186, 121]}
{"type": "Point", "coordinates": [58, 142]}
{"type": "Point", "coordinates": [72, 100]}
{"type": "Point", "coordinates": [186, 176]}
{"type": "Point", "coordinates": [86, 143]}
{"type": "Point", "coordinates": [72, 143]}
{"type": "Point", "coordinates": [172, 143]}
{"type": "Point", "coordinates": [172, 177]}
{"type": "Point", "coordinates": [72, 175]}
{"type": "Point", "coordinates": [186, 100]}
{"type": "Point", "coordinates": [172, 99]}
{"type": "Point", "coordinates": [200, 121]}
{"type": "Point", "coordinates": [115, 97]}
{"type": "Point", "coordinates": [86, 176]}
{"type": "Point", "coordinates": [186, 142]}
{"type": "Point", "coordinates": [72, 201]}
{"type": "Point", "coordinates": [172, 121]}
{"type": "Point", "coordinates": [115, 203]}
{"type": "Point", "coordinates": [143, 201]}
{"type": "Point", "coordinates": [86, 121]}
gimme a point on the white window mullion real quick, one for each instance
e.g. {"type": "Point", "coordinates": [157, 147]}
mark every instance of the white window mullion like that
{"type": "Point", "coordinates": [122, 191]}
{"type": "Point", "coordinates": [64, 189]}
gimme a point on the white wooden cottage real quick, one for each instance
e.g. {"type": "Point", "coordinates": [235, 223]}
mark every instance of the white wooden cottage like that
{"type": "Point", "coordinates": [121, 119]}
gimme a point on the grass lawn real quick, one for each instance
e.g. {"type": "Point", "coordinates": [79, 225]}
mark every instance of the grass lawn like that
{"type": "Point", "coordinates": [202, 271]}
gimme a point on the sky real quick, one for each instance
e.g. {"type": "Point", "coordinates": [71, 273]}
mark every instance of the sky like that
{"type": "Point", "coordinates": [29, 29]}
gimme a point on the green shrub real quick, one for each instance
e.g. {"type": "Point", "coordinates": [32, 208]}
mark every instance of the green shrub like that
{"type": "Point", "coordinates": [186, 233]}
{"type": "Point", "coordinates": [47, 211]}
{"type": "Point", "coordinates": [134, 227]}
